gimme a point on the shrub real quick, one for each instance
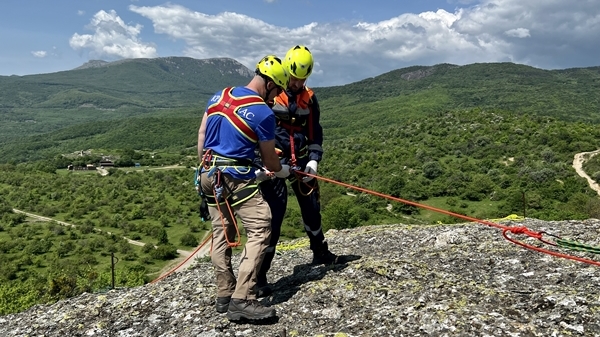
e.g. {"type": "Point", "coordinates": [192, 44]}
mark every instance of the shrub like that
{"type": "Point", "coordinates": [189, 240]}
{"type": "Point", "coordinates": [164, 252]}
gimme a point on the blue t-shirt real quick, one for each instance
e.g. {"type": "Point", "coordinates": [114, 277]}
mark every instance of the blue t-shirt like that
{"type": "Point", "coordinates": [224, 138]}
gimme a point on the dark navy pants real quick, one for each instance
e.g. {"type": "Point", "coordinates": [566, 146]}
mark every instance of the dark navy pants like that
{"type": "Point", "coordinates": [307, 194]}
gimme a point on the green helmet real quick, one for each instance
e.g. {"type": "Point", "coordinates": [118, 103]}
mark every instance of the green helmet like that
{"type": "Point", "coordinates": [272, 67]}
{"type": "Point", "coordinates": [299, 62]}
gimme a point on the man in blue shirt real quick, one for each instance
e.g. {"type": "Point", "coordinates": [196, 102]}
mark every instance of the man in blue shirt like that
{"type": "Point", "coordinates": [236, 120]}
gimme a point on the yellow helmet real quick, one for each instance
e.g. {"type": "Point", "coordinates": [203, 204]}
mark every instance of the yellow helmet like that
{"type": "Point", "coordinates": [272, 67]}
{"type": "Point", "coordinates": [299, 62]}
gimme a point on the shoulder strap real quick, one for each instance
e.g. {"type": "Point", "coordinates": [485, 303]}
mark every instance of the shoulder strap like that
{"type": "Point", "coordinates": [228, 105]}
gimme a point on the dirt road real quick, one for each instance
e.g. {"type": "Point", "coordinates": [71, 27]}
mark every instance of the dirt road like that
{"type": "Point", "coordinates": [184, 253]}
{"type": "Point", "coordinates": [578, 161]}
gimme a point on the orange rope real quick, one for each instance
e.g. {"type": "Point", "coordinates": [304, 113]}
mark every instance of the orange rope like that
{"type": "Point", "coordinates": [293, 159]}
{"type": "Point", "coordinates": [237, 230]}
{"type": "Point", "coordinates": [505, 229]}
{"type": "Point", "coordinates": [184, 261]}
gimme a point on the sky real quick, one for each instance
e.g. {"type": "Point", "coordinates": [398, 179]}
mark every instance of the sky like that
{"type": "Point", "coordinates": [350, 39]}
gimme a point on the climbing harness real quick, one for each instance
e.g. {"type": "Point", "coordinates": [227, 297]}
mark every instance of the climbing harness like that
{"type": "Point", "coordinates": [223, 196]}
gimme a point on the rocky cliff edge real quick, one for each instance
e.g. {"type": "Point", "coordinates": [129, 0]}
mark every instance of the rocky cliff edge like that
{"type": "Point", "coordinates": [442, 280]}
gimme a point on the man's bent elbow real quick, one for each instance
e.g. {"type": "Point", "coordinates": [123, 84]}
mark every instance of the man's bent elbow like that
{"type": "Point", "coordinates": [272, 162]}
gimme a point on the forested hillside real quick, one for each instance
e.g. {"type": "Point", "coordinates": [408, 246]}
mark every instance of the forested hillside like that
{"type": "Point", "coordinates": [571, 94]}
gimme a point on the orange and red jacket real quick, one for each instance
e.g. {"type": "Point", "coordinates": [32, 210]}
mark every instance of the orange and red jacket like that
{"type": "Point", "coordinates": [298, 116]}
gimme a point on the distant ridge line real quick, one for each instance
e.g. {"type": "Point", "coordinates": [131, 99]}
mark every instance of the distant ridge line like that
{"type": "Point", "coordinates": [102, 63]}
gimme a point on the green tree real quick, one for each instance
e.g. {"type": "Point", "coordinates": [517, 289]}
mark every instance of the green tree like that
{"type": "Point", "coordinates": [164, 252]}
{"type": "Point", "coordinates": [189, 240]}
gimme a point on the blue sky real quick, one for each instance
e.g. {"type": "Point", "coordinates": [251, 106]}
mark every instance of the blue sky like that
{"type": "Point", "coordinates": [351, 40]}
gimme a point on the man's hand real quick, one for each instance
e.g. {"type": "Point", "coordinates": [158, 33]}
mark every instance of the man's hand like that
{"type": "Point", "coordinates": [311, 168]}
{"type": "Point", "coordinates": [284, 172]}
{"type": "Point", "coordinates": [263, 175]}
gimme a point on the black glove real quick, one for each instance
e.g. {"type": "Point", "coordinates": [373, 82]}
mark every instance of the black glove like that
{"type": "Point", "coordinates": [204, 213]}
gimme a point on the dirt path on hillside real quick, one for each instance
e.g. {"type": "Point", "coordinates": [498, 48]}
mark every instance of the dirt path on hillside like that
{"type": "Point", "coordinates": [169, 167]}
{"type": "Point", "coordinates": [104, 172]}
{"type": "Point", "coordinates": [181, 252]}
{"type": "Point", "coordinates": [578, 161]}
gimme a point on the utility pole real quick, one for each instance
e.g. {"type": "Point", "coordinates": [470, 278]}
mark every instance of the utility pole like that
{"type": "Point", "coordinates": [112, 268]}
{"type": "Point", "coordinates": [524, 205]}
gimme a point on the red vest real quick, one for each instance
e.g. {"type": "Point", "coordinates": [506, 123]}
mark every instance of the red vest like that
{"type": "Point", "coordinates": [301, 117]}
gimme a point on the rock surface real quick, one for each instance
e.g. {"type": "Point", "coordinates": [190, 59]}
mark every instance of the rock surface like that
{"type": "Point", "coordinates": [442, 280]}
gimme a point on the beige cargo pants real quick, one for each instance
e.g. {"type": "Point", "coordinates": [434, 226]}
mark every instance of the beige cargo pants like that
{"type": "Point", "coordinates": [255, 215]}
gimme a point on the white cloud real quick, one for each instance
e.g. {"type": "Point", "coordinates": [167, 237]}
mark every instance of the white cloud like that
{"type": "Point", "coordinates": [112, 38]}
{"type": "Point", "coordinates": [270, 1]}
{"type": "Point", "coordinates": [547, 34]}
{"type": "Point", "coordinates": [518, 32]}
{"type": "Point", "coordinates": [80, 12]}
{"type": "Point", "coordinates": [39, 53]}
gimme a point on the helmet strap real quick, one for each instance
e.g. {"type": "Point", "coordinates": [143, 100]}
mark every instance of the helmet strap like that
{"type": "Point", "coordinates": [267, 90]}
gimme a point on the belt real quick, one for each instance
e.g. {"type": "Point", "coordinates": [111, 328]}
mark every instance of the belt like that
{"type": "Point", "coordinates": [230, 162]}
{"type": "Point", "coordinates": [215, 159]}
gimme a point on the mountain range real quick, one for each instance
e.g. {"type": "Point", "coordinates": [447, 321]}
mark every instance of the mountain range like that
{"type": "Point", "coordinates": [101, 91]}
{"type": "Point", "coordinates": [47, 114]}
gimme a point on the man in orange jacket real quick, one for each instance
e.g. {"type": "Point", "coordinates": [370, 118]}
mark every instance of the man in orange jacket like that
{"type": "Point", "coordinates": [298, 141]}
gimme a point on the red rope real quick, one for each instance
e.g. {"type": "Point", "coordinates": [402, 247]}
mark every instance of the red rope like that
{"type": "Point", "coordinates": [505, 229]}
{"type": "Point", "coordinates": [293, 159]}
{"type": "Point", "coordinates": [184, 261]}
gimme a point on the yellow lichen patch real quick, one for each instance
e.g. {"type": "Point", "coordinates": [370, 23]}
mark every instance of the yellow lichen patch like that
{"type": "Point", "coordinates": [370, 230]}
{"type": "Point", "coordinates": [459, 304]}
{"type": "Point", "coordinates": [66, 316]}
{"type": "Point", "coordinates": [382, 271]}
{"type": "Point", "coordinates": [512, 217]}
{"type": "Point", "coordinates": [283, 246]}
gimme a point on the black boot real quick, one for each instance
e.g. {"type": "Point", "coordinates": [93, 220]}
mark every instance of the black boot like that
{"type": "Point", "coordinates": [222, 304]}
{"type": "Point", "coordinates": [262, 284]}
{"type": "Point", "coordinates": [322, 255]}
{"type": "Point", "coordinates": [264, 291]}
{"type": "Point", "coordinates": [248, 309]}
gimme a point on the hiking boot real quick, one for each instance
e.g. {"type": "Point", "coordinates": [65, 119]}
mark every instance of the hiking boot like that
{"type": "Point", "coordinates": [322, 255]}
{"type": "Point", "coordinates": [264, 291]}
{"type": "Point", "coordinates": [222, 304]}
{"type": "Point", "coordinates": [248, 309]}
{"type": "Point", "coordinates": [262, 285]}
